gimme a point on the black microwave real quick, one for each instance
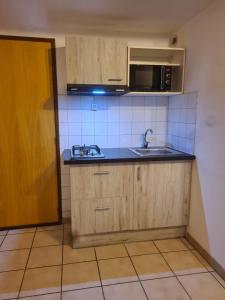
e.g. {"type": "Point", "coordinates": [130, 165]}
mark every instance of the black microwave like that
{"type": "Point", "coordinates": [150, 78]}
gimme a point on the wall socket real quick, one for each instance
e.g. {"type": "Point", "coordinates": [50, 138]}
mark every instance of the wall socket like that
{"type": "Point", "coordinates": [94, 107]}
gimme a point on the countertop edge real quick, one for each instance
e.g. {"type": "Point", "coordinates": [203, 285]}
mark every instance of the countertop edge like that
{"type": "Point", "coordinates": [68, 161]}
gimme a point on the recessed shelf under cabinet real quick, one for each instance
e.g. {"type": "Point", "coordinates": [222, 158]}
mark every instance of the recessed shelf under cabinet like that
{"type": "Point", "coordinates": [153, 63]}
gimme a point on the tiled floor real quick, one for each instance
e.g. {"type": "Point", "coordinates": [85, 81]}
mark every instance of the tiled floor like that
{"type": "Point", "coordinates": [40, 264]}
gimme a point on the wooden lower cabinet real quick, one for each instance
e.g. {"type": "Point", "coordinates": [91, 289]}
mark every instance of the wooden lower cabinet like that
{"type": "Point", "coordinates": [124, 202]}
{"type": "Point", "coordinates": [101, 198]}
{"type": "Point", "coordinates": [161, 194]}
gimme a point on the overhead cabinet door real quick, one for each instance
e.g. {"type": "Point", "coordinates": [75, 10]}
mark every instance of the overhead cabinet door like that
{"type": "Point", "coordinates": [95, 60]}
{"type": "Point", "coordinates": [28, 162]}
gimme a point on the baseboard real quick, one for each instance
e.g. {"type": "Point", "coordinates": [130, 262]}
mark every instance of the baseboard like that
{"type": "Point", "coordinates": [215, 265]}
{"type": "Point", "coordinates": [127, 236]}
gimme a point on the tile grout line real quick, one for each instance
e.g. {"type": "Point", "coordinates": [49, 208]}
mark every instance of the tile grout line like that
{"type": "Point", "coordinates": [172, 270]}
{"type": "Point", "coordinates": [139, 280]}
{"type": "Point", "coordinates": [99, 274]}
{"type": "Point", "coordinates": [31, 296]}
{"type": "Point", "coordinates": [27, 263]}
{"type": "Point", "coordinates": [3, 240]}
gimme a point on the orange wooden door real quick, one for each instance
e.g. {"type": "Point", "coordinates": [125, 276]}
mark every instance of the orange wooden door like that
{"type": "Point", "coordinates": [28, 156]}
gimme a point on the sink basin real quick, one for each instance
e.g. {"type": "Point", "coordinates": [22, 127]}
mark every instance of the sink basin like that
{"type": "Point", "coordinates": [153, 151]}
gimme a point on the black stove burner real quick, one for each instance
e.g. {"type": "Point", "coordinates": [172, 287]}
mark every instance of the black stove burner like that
{"type": "Point", "coordinates": [84, 151]}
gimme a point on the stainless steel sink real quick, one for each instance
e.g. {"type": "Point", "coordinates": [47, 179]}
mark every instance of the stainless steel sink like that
{"type": "Point", "coordinates": [154, 151]}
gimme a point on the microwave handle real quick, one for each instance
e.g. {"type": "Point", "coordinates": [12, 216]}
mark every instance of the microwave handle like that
{"type": "Point", "coordinates": [162, 83]}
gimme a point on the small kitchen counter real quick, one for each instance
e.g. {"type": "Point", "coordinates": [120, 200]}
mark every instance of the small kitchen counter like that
{"type": "Point", "coordinates": [123, 155]}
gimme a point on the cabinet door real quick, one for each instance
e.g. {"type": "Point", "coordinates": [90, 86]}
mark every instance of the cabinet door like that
{"type": "Point", "coordinates": [161, 194]}
{"type": "Point", "coordinates": [83, 60]}
{"type": "Point", "coordinates": [93, 60]}
{"type": "Point", "coordinates": [114, 61]}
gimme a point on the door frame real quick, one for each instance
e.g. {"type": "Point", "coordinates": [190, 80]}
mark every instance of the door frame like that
{"type": "Point", "coordinates": [55, 102]}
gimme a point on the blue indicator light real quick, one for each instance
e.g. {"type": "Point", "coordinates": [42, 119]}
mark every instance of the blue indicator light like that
{"type": "Point", "coordinates": [98, 92]}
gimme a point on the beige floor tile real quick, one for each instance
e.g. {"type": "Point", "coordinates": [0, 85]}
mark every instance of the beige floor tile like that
{"type": "Point", "coordinates": [51, 227]}
{"type": "Point", "coordinates": [151, 266]}
{"type": "Point", "coordinates": [111, 251]}
{"type": "Point", "coordinates": [45, 256]}
{"type": "Point", "coordinates": [13, 260]}
{"type": "Point", "coordinates": [203, 261]}
{"type": "Point", "coordinates": [141, 248]}
{"type": "Point", "coordinates": [80, 275]}
{"type": "Point", "coordinates": [202, 287]}
{"type": "Point", "coordinates": [41, 281]}
{"type": "Point", "coordinates": [220, 279]}
{"type": "Point", "coordinates": [3, 232]}
{"type": "Point", "coordinates": [17, 241]}
{"type": "Point", "coordinates": [67, 238]}
{"type": "Point", "coordinates": [10, 284]}
{"type": "Point", "coordinates": [187, 244]}
{"type": "Point", "coordinates": [71, 255]}
{"type": "Point", "coordinates": [170, 245]}
{"type": "Point", "coordinates": [126, 291]}
{"type": "Point", "coordinates": [48, 238]}
{"type": "Point", "coordinates": [116, 270]}
{"type": "Point", "coordinates": [85, 294]}
{"type": "Point", "coordinates": [44, 297]}
{"type": "Point", "coordinates": [23, 230]}
{"type": "Point", "coordinates": [184, 262]}
{"type": "Point", "coordinates": [165, 288]}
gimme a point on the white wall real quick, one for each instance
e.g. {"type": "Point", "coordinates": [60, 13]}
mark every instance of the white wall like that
{"type": "Point", "coordinates": [204, 39]}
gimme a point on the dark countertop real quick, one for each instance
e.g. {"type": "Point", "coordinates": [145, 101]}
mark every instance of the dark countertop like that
{"type": "Point", "coordinates": [114, 155]}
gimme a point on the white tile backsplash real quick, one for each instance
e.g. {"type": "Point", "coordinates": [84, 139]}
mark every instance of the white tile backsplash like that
{"type": "Point", "coordinates": [117, 121]}
{"type": "Point", "coordinates": [181, 125]}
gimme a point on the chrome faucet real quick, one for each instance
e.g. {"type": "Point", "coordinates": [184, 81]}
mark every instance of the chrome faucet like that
{"type": "Point", "coordinates": [145, 137]}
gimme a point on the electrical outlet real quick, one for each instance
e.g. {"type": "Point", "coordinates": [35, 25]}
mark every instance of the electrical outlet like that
{"type": "Point", "coordinates": [94, 107]}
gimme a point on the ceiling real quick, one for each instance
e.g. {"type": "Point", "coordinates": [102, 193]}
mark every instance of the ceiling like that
{"type": "Point", "coordinates": [121, 17]}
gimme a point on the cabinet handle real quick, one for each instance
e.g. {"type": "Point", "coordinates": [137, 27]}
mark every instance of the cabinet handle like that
{"type": "Point", "coordinates": [102, 173]}
{"type": "Point", "coordinates": [102, 208]}
{"type": "Point", "coordinates": [115, 79]}
{"type": "Point", "coordinates": [138, 173]}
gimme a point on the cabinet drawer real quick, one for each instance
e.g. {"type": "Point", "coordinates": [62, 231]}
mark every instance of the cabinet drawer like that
{"type": "Point", "coordinates": [101, 181]}
{"type": "Point", "coordinates": [101, 215]}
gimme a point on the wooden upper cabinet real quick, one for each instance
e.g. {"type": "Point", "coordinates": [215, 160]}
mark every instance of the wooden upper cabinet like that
{"type": "Point", "coordinates": [96, 60]}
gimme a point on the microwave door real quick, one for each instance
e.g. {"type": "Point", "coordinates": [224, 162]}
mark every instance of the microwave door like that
{"type": "Point", "coordinates": [141, 78]}
{"type": "Point", "coordinates": [144, 79]}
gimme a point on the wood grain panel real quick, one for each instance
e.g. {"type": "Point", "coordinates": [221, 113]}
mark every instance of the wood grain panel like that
{"type": "Point", "coordinates": [113, 61]}
{"type": "Point", "coordinates": [102, 198]}
{"type": "Point", "coordinates": [28, 172]}
{"type": "Point", "coordinates": [83, 60]}
{"type": "Point", "coordinates": [91, 216]}
{"type": "Point", "coordinates": [127, 236]}
{"type": "Point", "coordinates": [96, 60]}
{"type": "Point", "coordinates": [161, 194]}
{"type": "Point", "coordinates": [101, 181]}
